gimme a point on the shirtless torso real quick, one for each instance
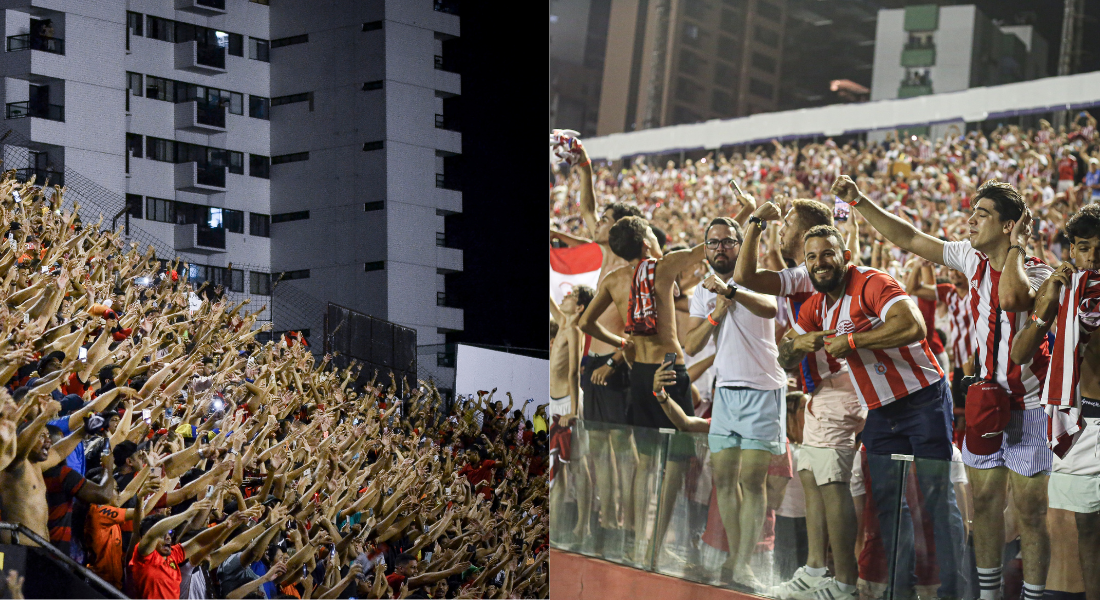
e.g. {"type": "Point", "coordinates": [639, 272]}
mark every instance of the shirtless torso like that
{"type": "Point", "coordinates": [23, 497]}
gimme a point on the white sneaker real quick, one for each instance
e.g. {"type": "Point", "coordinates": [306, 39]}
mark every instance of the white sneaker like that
{"type": "Point", "coordinates": [832, 591]}
{"type": "Point", "coordinates": [745, 578]}
{"type": "Point", "coordinates": [800, 587]}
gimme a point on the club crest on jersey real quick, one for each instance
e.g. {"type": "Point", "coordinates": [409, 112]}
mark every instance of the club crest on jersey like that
{"type": "Point", "coordinates": [880, 368]}
{"type": "Point", "coordinates": [845, 327]}
{"type": "Point", "coordinates": [974, 283]}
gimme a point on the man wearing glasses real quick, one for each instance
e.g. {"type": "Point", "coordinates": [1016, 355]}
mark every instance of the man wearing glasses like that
{"type": "Point", "coordinates": [749, 416]}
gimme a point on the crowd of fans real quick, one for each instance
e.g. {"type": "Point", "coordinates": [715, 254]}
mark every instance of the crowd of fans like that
{"type": "Point", "coordinates": [147, 434]}
{"type": "Point", "coordinates": [708, 215]}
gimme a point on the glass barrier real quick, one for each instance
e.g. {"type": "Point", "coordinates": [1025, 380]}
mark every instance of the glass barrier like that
{"type": "Point", "coordinates": [912, 528]}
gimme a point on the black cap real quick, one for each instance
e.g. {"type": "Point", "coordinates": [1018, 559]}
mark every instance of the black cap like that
{"type": "Point", "coordinates": [124, 450]}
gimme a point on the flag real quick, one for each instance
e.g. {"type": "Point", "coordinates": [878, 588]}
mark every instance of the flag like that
{"type": "Point", "coordinates": [574, 266]}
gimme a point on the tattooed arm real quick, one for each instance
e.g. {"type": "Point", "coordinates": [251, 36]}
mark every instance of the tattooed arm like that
{"type": "Point", "coordinates": [793, 348]}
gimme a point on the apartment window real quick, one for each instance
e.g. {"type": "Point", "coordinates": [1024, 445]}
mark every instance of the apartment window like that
{"type": "Point", "coordinates": [290, 216]}
{"type": "Point", "coordinates": [259, 225]}
{"type": "Point", "coordinates": [696, 9]}
{"type": "Point", "coordinates": [376, 205]}
{"type": "Point", "coordinates": [372, 146]}
{"type": "Point", "coordinates": [731, 22]}
{"type": "Point", "coordinates": [372, 26]}
{"type": "Point", "coordinates": [288, 158]}
{"type": "Point", "coordinates": [440, 239]}
{"type": "Point", "coordinates": [290, 41]}
{"type": "Point", "coordinates": [163, 211]}
{"type": "Point", "coordinates": [160, 88]}
{"type": "Point", "coordinates": [729, 48]}
{"type": "Point", "coordinates": [766, 36]}
{"type": "Point", "coordinates": [688, 90]}
{"type": "Point", "coordinates": [133, 144]}
{"type": "Point", "coordinates": [233, 220]}
{"type": "Point", "coordinates": [259, 283]}
{"type": "Point", "coordinates": [134, 22]}
{"type": "Point", "coordinates": [133, 205]}
{"type": "Point", "coordinates": [162, 29]}
{"type": "Point", "coordinates": [259, 107]}
{"type": "Point", "coordinates": [725, 74]}
{"type": "Point", "coordinates": [691, 63]}
{"type": "Point", "coordinates": [235, 162]}
{"type": "Point", "coordinates": [133, 83]}
{"type": "Point", "coordinates": [763, 62]}
{"type": "Point", "coordinates": [378, 265]}
{"type": "Point", "coordinates": [372, 85]}
{"type": "Point", "coordinates": [258, 50]}
{"type": "Point", "coordinates": [236, 44]}
{"type": "Point", "coordinates": [292, 275]}
{"type": "Point", "coordinates": [236, 280]}
{"type": "Point", "coordinates": [259, 166]}
{"type": "Point", "coordinates": [768, 10]}
{"type": "Point", "coordinates": [721, 102]}
{"type": "Point", "coordinates": [236, 103]}
{"type": "Point", "coordinates": [691, 35]}
{"type": "Point", "coordinates": [158, 149]}
{"type": "Point", "coordinates": [685, 115]}
{"type": "Point", "coordinates": [281, 100]}
{"type": "Point", "coordinates": [760, 88]}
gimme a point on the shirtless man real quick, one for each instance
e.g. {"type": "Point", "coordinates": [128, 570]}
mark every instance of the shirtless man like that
{"type": "Point", "coordinates": [605, 376]}
{"type": "Point", "coordinates": [1075, 477]}
{"type": "Point", "coordinates": [565, 402]}
{"type": "Point", "coordinates": [22, 486]}
{"type": "Point", "coordinates": [653, 334]}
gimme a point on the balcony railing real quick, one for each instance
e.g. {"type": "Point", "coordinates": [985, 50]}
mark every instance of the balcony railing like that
{"type": "Point", "coordinates": [439, 63]}
{"type": "Point", "coordinates": [209, 113]}
{"type": "Point", "coordinates": [40, 176]}
{"type": "Point", "coordinates": [210, 237]}
{"type": "Point", "coordinates": [211, 175]}
{"type": "Point", "coordinates": [211, 56]}
{"type": "Point", "coordinates": [910, 91]}
{"type": "Point", "coordinates": [18, 110]}
{"type": "Point", "coordinates": [218, 4]}
{"type": "Point", "coordinates": [27, 41]}
{"type": "Point", "coordinates": [924, 56]}
{"type": "Point", "coordinates": [442, 182]}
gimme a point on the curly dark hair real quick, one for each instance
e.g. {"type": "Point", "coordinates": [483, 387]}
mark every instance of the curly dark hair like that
{"type": "Point", "coordinates": [620, 210]}
{"type": "Point", "coordinates": [627, 237]}
{"type": "Point", "coordinates": [1085, 223]}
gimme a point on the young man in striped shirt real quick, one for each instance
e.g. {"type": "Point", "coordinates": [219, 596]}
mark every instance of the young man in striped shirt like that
{"type": "Point", "coordinates": [1003, 284]}
{"type": "Point", "coordinates": [833, 417]}
{"type": "Point", "coordinates": [864, 316]}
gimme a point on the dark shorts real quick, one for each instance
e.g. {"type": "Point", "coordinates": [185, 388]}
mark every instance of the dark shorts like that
{"type": "Point", "coordinates": [646, 415]}
{"type": "Point", "coordinates": [604, 404]}
{"type": "Point", "coordinates": [917, 424]}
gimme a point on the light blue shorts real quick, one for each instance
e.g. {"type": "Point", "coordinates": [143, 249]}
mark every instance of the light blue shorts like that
{"type": "Point", "coordinates": [749, 419]}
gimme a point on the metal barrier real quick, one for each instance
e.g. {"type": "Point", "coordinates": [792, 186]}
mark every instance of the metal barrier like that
{"type": "Point", "coordinates": [18, 529]}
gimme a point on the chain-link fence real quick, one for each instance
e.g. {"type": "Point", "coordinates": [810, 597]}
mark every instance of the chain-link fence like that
{"type": "Point", "coordinates": [288, 307]}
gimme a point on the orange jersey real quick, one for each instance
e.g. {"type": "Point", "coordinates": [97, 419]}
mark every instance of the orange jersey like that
{"type": "Point", "coordinates": [104, 529]}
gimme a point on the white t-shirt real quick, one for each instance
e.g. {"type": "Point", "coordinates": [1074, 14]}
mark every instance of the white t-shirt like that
{"type": "Point", "coordinates": [747, 355]}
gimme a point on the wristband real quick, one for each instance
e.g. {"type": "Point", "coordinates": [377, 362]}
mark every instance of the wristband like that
{"type": "Point", "coordinates": [858, 198]}
{"type": "Point", "coordinates": [1016, 246]}
{"type": "Point", "coordinates": [712, 321]}
{"type": "Point", "coordinates": [585, 163]}
{"type": "Point", "coordinates": [658, 397]}
{"type": "Point", "coordinates": [622, 344]}
{"type": "Point", "coordinates": [851, 341]}
{"type": "Point", "coordinates": [762, 224]}
{"type": "Point", "coordinates": [1038, 321]}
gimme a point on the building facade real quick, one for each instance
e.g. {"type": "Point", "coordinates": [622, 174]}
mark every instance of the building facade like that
{"type": "Point", "coordinates": [305, 142]}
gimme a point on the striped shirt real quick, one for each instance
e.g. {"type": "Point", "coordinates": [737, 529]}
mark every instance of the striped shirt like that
{"type": "Point", "coordinates": [879, 376]}
{"type": "Point", "coordinates": [62, 484]}
{"type": "Point", "coordinates": [1019, 380]}
{"type": "Point", "coordinates": [795, 288]}
{"type": "Point", "coordinates": [958, 322]}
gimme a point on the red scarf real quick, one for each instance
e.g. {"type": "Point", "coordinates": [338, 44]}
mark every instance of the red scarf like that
{"type": "Point", "coordinates": [1078, 316]}
{"type": "Point", "coordinates": [642, 309]}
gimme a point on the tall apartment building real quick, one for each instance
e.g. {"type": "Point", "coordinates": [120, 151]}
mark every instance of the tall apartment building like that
{"type": "Point", "coordinates": [310, 141]}
{"type": "Point", "coordinates": [668, 63]}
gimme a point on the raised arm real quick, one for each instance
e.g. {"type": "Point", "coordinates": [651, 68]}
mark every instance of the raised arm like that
{"type": "Point", "coordinates": [1014, 290]}
{"type": "Point", "coordinates": [1031, 336]}
{"type": "Point", "coordinates": [746, 273]}
{"type": "Point", "coordinates": [148, 541]}
{"type": "Point", "coordinates": [901, 233]}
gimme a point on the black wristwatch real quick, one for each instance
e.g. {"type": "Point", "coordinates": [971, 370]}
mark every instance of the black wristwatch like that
{"type": "Point", "coordinates": [611, 361]}
{"type": "Point", "coordinates": [761, 223]}
{"type": "Point", "coordinates": [733, 292]}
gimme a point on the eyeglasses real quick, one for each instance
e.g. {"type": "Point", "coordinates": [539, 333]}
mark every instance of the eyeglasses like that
{"type": "Point", "coordinates": [727, 243]}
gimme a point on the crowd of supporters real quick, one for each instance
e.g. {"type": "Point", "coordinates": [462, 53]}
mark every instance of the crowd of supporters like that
{"type": "Point", "coordinates": [147, 435]}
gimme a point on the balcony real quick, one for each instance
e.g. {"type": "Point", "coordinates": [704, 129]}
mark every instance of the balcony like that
{"type": "Point", "coordinates": [19, 110]}
{"type": "Point", "coordinates": [200, 116]}
{"type": "Point", "coordinates": [448, 260]}
{"type": "Point", "coordinates": [206, 8]}
{"type": "Point", "coordinates": [910, 91]}
{"type": "Point", "coordinates": [26, 41]}
{"type": "Point", "coordinates": [204, 59]}
{"type": "Point", "coordinates": [200, 179]}
{"type": "Point", "coordinates": [449, 318]}
{"type": "Point", "coordinates": [923, 56]}
{"type": "Point", "coordinates": [199, 239]}
{"type": "Point", "coordinates": [41, 176]}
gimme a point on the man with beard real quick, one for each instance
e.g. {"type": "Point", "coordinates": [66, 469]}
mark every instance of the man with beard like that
{"type": "Point", "coordinates": [863, 315]}
{"type": "Point", "coordinates": [1075, 480]}
{"type": "Point", "coordinates": [605, 375]}
{"type": "Point", "coordinates": [748, 418]}
{"type": "Point", "coordinates": [833, 415]}
{"type": "Point", "coordinates": [1003, 284]}
{"type": "Point", "coordinates": [642, 294]}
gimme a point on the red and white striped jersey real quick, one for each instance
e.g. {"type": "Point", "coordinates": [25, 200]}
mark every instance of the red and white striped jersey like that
{"type": "Point", "coordinates": [879, 376]}
{"type": "Point", "coordinates": [795, 288]}
{"type": "Point", "coordinates": [959, 323]}
{"type": "Point", "coordinates": [1024, 380]}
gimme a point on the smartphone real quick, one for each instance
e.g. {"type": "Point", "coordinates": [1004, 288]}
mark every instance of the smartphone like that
{"type": "Point", "coordinates": [670, 358]}
{"type": "Point", "coordinates": [147, 415]}
{"type": "Point", "coordinates": [83, 353]}
{"type": "Point", "coordinates": [470, 548]}
{"type": "Point", "coordinates": [428, 556]}
{"type": "Point", "coordinates": [841, 210]}
{"type": "Point", "coordinates": [292, 524]}
{"type": "Point", "coordinates": [209, 491]}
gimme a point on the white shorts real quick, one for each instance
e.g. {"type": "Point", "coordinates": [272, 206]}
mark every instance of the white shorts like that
{"type": "Point", "coordinates": [561, 406]}
{"type": "Point", "coordinates": [1083, 457]}
{"type": "Point", "coordinates": [1076, 493]}
{"type": "Point", "coordinates": [1064, 184]}
{"type": "Point", "coordinates": [829, 465]}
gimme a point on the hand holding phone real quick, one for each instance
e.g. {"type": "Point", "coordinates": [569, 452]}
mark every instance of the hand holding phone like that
{"type": "Point", "coordinates": [670, 358]}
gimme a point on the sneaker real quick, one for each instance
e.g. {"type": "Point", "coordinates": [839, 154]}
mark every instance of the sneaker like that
{"type": "Point", "coordinates": [744, 580]}
{"type": "Point", "coordinates": [832, 591]}
{"type": "Point", "coordinates": [800, 587]}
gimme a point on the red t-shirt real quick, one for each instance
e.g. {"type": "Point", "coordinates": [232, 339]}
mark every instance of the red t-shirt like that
{"type": "Point", "coordinates": [1067, 167]}
{"type": "Point", "coordinates": [395, 580]}
{"type": "Point", "coordinates": [157, 576]}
